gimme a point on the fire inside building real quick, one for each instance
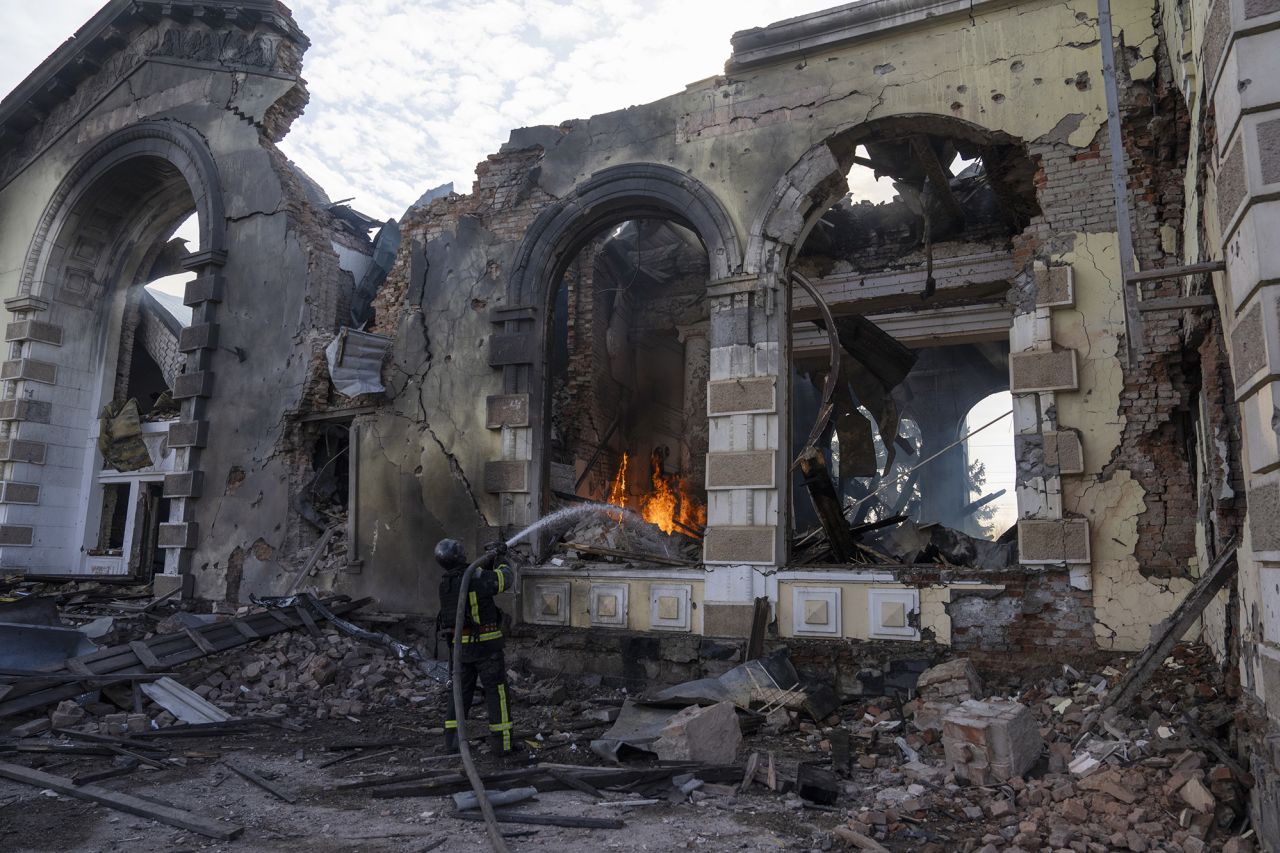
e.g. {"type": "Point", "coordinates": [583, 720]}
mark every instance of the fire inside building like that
{"type": "Point", "coordinates": [726, 422]}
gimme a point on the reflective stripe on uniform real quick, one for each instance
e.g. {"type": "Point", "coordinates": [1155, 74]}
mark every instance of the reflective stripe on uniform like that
{"type": "Point", "coordinates": [480, 638]}
{"type": "Point", "coordinates": [505, 725]}
{"type": "Point", "coordinates": [450, 724]}
{"type": "Point", "coordinates": [475, 608]}
{"type": "Point", "coordinates": [502, 578]}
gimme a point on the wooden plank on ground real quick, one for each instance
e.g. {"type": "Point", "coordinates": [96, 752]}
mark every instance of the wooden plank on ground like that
{"type": "Point", "coordinates": [312, 628]}
{"type": "Point", "coordinates": [146, 657]}
{"type": "Point", "coordinates": [201, 641]}
{"type": "Point", "coordinates": [245, 629]}
{"type": "Point", "coordinates": [123, 802]}
{"type": "Point", "coordinates": [546, 819]}
{"type": "Point", "coordinates": [271, 789]}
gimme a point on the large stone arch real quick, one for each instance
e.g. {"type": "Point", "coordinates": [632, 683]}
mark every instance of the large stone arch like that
{"type": "Point", "coordinates": [170, 141]}
{"type": "Point", "coordinates": [520, 348]}
{"type": "Point", "coordinates": [87, 245]}
{"type": "Point", "coordinates": [818, 180]}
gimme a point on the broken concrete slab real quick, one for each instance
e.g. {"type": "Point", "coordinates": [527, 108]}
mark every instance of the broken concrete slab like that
{"type": "Point", "coordinates": [953, 681]}
{"type": "Point", "coordinates": [708, 735]}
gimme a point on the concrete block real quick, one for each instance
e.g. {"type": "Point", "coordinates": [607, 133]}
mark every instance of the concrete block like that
{"type": "Point", "coordinates": [206, 288]}
{"type": "Point", "coordinates": [1260, 415]}
{"type": "Point", "coordinates": [739, 545]}
{"type": "Point", "coordinates": [1055, 286]}
{"type": "Point", "coordinates": [31, 370]}
{"type": "Point", "coordinates": [1264, 518]}
{"type": "Point", "coordinates": [16, 534]}
{"type": "Point", "coordinates": [1255, 342]}
{"type": "Point", "coordinates": [188, 385]}
{"type": "Point", "coordinates": [990, 742]}
{"type": "Point", "coordinates": [1232, 184]}
{"type": "Point", "coordinates": [1064, 451]}
{"type": "Point", "coordinates": [162, 585]}
{"type": "Point", "coordinates": [187, 484]}
{"type": "Point", "coordinates": [741, 470]}
{"type": "Point", "coordinates": [513, 348]}
{"type": "Point", "coordinates": [1034, 371]}
{"type": "Point", "coordinates": [183, 534]}
{"type": "Point", "coordinates": [1251, 263]}
{"type": "Point", "coordinates": [954, 681]}
{"type": "Point", "coordinates": [506, 475]}
{"type": "Point", "coordinates": [18, 450]}
{"type": "Point", "coordinates": [19, 493]}
{"type": "Point", "coordinates": [742, 396]}
{"type": "Point", "coordinates": [1053, 541]}
{"type": "Point", "coordinates": [507, 410]}
{"type": "Point", "coordinates": [35, 411]}
{"type": "Point", "coordinates": [198, 337]}
{"type": "Point", "coordinates": [708, 735]}
{"type": "Point", "coordinates": [34, 330]}
{"type": "Point", "coordinates": [188, 433]}
{"type": "Point", "coordinates": [727, 620]}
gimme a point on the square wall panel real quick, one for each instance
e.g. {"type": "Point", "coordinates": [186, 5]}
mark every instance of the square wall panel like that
{"type": "Point", "coordinates": [893, 612]}
{"type": "Point", "coordinates": [546, 602]}
{"type": "Point", "coordinates": [609, 605]}
{"type": "Point", "coordinates": [815, 611]}
{"type": "Point", "coordinates": [670, 606]}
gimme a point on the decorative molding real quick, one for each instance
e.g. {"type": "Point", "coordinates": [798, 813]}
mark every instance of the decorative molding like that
{"type": "Point", "coordinates": [890, 614]}
{"type": "Point", "coordinates": [815, 611]}
{"type": "Point", "coordinates": [608, 604]}
{"type": "Point", "coordinates": [546, 602]}
{"type": "Point", "coordinates": [670, 607]}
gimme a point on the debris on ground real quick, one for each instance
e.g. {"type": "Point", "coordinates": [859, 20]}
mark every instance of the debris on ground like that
{"type": "Point", "coordinates": [307, 719]}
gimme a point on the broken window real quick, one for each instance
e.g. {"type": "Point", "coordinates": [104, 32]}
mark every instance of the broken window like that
{"type": "Point", "coordinates": [628, 375]}
{"type": "Point", "coordinates": [326, 497]}
{"type": "Point", "coordinates": [899, 453]}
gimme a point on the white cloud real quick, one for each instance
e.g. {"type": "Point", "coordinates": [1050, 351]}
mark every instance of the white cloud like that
{"type": "Point", "coordinates": [409, 94]}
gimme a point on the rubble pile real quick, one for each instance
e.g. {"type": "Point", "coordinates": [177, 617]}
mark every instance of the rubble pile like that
{"type": "Point", "coordinates": [604, 537]}
{"type": "Point", "coordinates": [330, 675]}
{"type": "Point", "coordinates": [952, 770]}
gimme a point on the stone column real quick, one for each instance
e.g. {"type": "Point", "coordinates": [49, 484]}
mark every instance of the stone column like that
{"type": "Point", "coordinates": [744, 486]}
{"type": "Point", "coordinates": [697, 371]}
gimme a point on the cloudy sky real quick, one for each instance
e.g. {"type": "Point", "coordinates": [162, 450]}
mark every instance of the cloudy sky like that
{"type": "Point", "coordinates": [409, 94]}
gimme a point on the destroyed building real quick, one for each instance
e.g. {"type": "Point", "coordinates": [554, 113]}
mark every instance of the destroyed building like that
{"type": "Point", "coordinates": [678, 309]}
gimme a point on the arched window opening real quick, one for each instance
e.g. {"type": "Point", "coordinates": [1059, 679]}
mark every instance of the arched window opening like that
{"type": "Point", "coordinates": [914, 265]}
{"type": "Point", "coordinates": [628, 374]}
{"type": "Point", "coordinates": [991, 507]}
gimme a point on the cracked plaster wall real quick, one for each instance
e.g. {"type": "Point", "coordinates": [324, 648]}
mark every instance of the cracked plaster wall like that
{"type": "Point", "coordinates": [1030, 72]}
{"type": "Point", "coordinates": [422, 461]}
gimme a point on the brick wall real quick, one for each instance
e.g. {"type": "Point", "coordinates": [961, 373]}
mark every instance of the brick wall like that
{"type": "Point", "coordinates": [161, 345]}
{"type": "Point", "coordinates": [1039, 616]}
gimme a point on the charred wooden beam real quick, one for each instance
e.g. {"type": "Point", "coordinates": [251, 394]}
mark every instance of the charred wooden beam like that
{"type": "Point", "coordinates": [939, 178]}
{"type": "Point", "coordinates": [822, 491]}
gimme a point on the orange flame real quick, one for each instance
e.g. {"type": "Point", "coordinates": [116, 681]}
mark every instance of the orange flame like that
{"type": "Point", "coordinates": [618, 491]}
{"type": "Point", "coordinates": [669, 505]}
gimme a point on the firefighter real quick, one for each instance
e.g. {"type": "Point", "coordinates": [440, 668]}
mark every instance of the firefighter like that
{"type": "Point", "coordinates": [481, 638]}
